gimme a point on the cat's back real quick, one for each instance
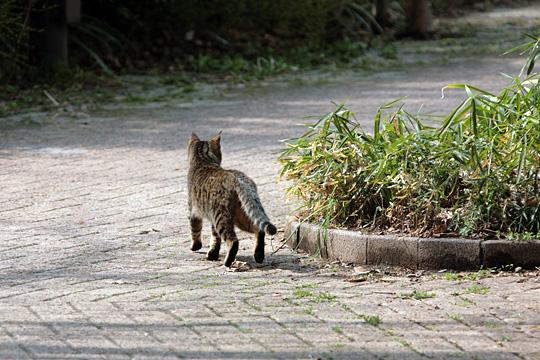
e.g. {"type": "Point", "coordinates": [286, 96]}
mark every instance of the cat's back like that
{"type": "Point", "coordinates": [210, 176]}
{"type": "Point", "coordinates": [212, 183]}
{"type": "Point", "coordinates": [212, 190]}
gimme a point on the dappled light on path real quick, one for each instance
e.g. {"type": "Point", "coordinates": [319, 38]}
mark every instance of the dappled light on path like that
{"type": "Point", "coordinates": [94, 258]}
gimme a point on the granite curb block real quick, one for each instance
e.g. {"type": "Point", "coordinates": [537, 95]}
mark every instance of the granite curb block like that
{"type": "Point", "coordinates": [415, 253]}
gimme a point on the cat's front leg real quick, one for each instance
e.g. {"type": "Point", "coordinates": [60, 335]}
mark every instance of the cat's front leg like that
{"type": "Point", "coordinates": [195, 222]}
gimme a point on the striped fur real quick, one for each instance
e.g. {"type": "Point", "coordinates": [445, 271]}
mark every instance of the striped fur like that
{"type": "Point", "coordinates": [227, 198]}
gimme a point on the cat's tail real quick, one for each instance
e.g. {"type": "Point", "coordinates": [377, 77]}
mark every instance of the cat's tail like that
{"type": "Point", "coordinates": [251, 204]}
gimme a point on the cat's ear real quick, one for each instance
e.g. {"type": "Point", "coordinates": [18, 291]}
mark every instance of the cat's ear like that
{"type": "Point", "coordinates": [216, 139]}
{"type": "Point", "coordinates": [215, 146]}
{"type": "Point", "coordinates": [193, 138]}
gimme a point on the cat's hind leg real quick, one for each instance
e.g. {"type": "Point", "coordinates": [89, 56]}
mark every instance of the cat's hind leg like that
{"type": "Point", "coordinates": [258, 250]}
{"type": "Point", "coordinates": [232, 242]}
{"type": "Point", "coordinates": [195, 223]}
{"type": "Point", "coordinates": [244, 223]}
{"type": "Point", "coordinates": [224, 224]}
{"type": "Point", "coordinates": [226, 232]}
{"type": "Point", "coordinates": [215, 245]}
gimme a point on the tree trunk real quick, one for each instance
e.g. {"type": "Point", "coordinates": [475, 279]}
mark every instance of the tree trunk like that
{"type": "Point", "coordinates": [418, 14]}
{"type": "Point", "coordinates": [381, 13]}
{"type": "Point", "coordinates": [49, 40]}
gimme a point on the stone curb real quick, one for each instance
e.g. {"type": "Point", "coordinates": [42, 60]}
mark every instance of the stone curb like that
{"type": "Point", "coordinates": [411, 252]}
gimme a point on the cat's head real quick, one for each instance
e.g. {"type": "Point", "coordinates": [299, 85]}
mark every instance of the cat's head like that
{"type": "Point", "coordinates": [208, 151]}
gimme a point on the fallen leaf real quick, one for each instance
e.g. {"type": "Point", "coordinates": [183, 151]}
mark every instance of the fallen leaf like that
{"type": "Point", "coordinates": [147, 231]}
{"type": "Point", "coordinates": [360, 269]}
{"type": "Point", "coordinates": [239, 266]}
{"type": "Point", "coordinates": [362, 273]}
{"type": "Point", "coordinates": [356, 279]}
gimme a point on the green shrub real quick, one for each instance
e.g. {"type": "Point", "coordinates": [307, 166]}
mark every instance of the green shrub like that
{"type": "Point", "coordinates": [477, 174]}
{"type": "Point", "coordinates": [170, 30]}
{"type": "Point", "coordinates": [230, 36]}
{"type": "Point", "coordinates": [14, 33]}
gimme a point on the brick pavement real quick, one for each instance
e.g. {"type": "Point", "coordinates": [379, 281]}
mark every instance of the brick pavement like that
{"type": "Point", "coordinates": [94, 258]}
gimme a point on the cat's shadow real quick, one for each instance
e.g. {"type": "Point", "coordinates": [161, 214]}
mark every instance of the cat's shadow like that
{"type": "Point", "coordinates": [288, 262]}
{"type": "Point", "coordinates": [283, 261]}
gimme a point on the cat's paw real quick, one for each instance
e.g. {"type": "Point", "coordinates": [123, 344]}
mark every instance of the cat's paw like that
{"type": "Point", "coordinates": [196, 245]}
{"type": "Point", "coordinates": [213, 254]}
{"type": "Point", "coordinates": [228, 262]}
{"type": "Point", "coordinates": [259, 256]}
{"type": "Point", "coordinates": [231, 255]}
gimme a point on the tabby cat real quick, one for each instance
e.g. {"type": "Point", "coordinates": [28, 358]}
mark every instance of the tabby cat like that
{"type": "Point", "coordinates": [224, 197]}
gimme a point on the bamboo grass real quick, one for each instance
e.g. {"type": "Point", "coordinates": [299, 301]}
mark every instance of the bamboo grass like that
{"type": "Point", "coordinates": [475, 175]}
